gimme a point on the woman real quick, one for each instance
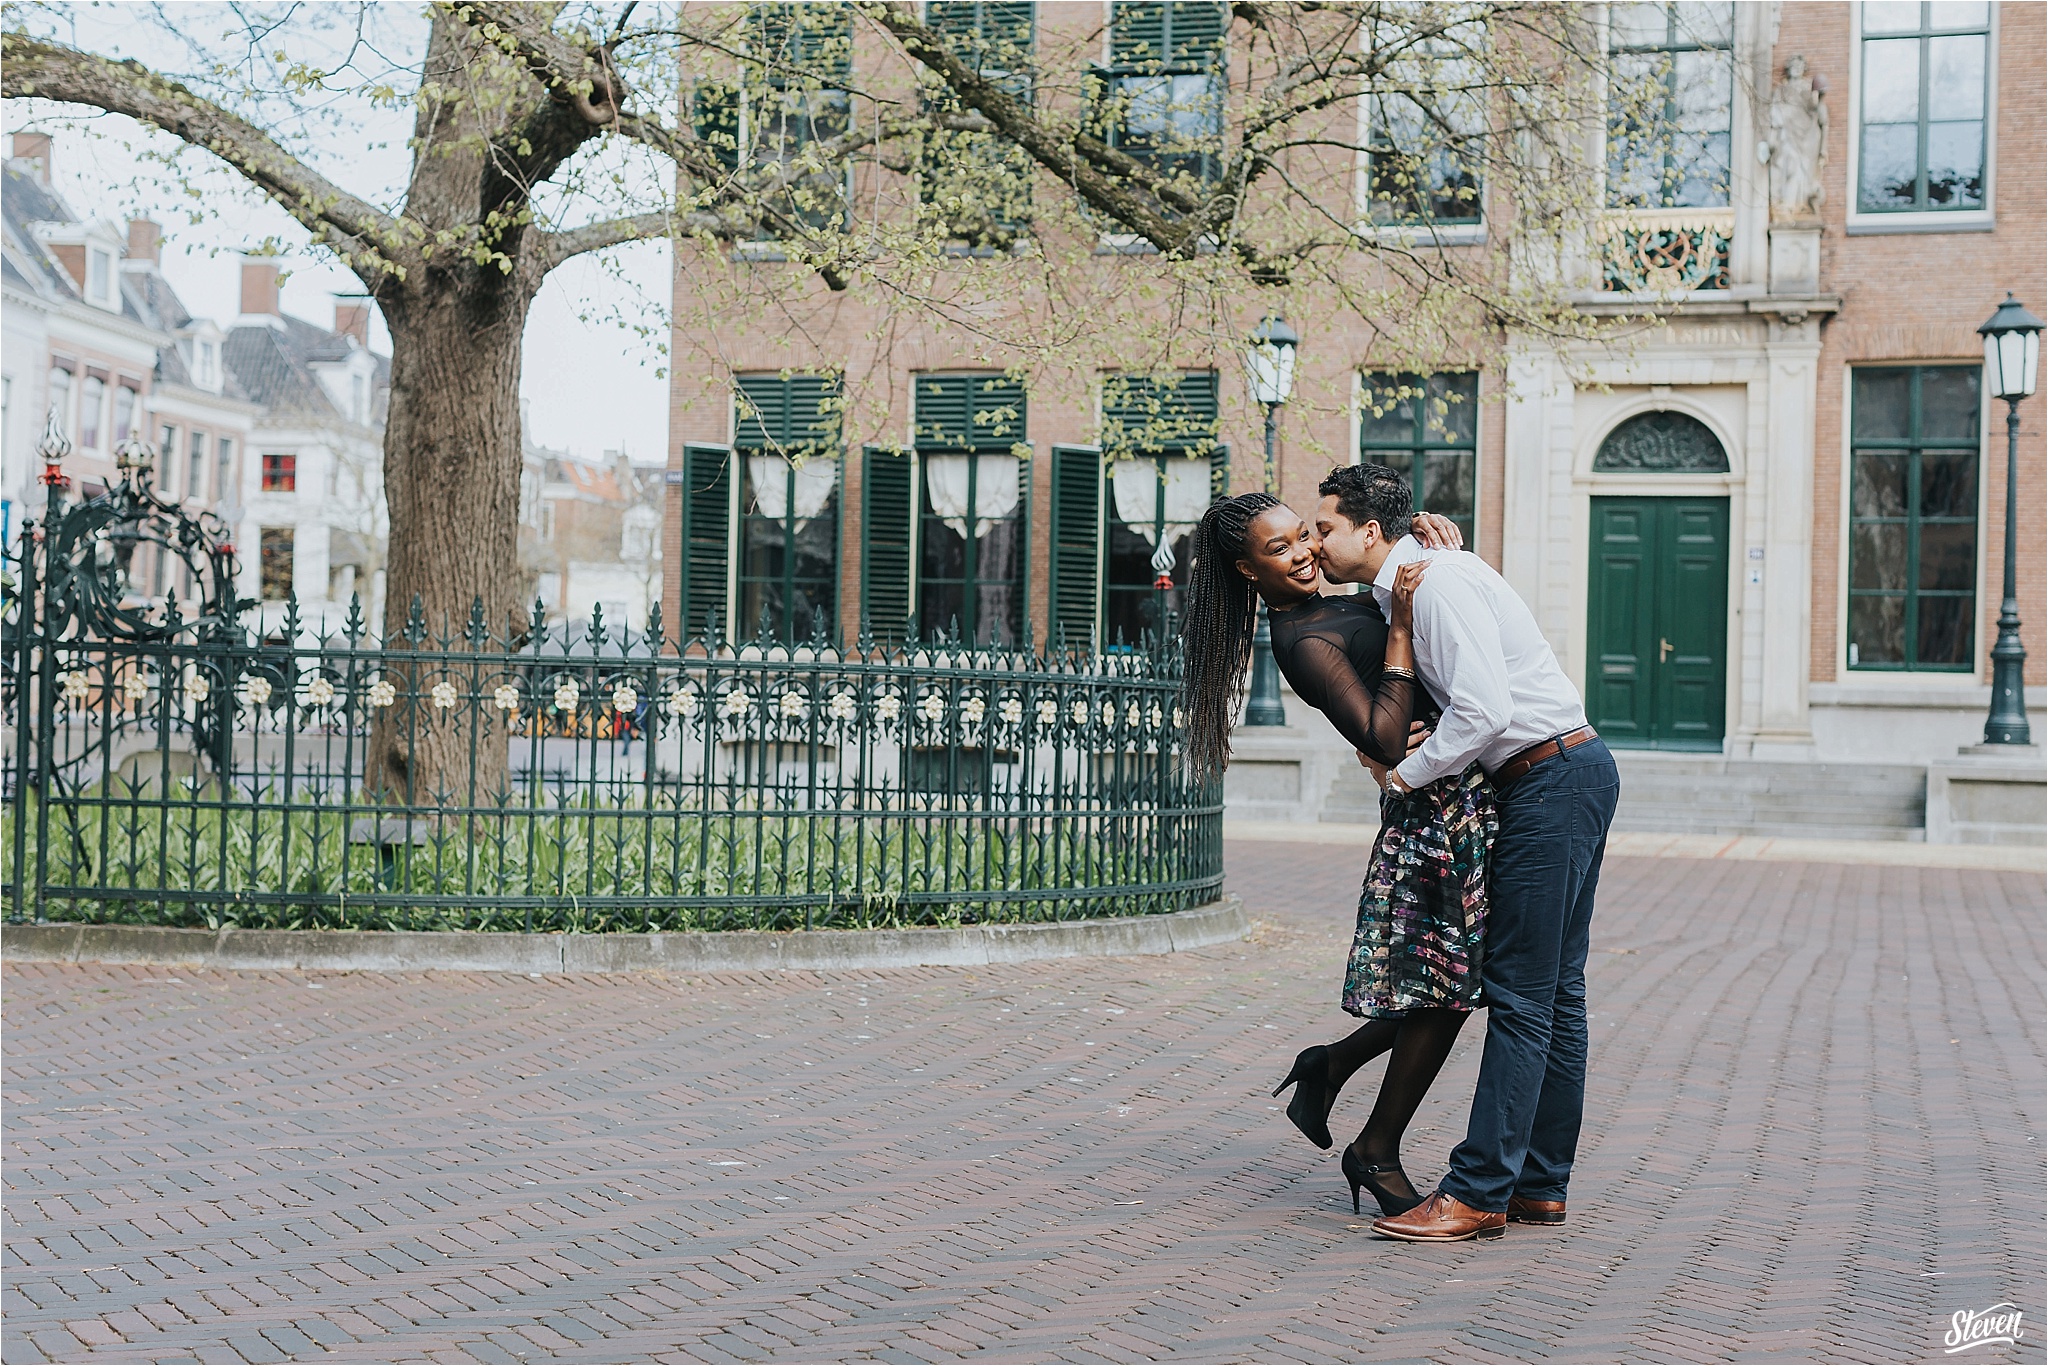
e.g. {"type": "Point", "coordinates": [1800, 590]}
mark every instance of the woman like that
{"type": "Point", "coordinates": [1415, 959]}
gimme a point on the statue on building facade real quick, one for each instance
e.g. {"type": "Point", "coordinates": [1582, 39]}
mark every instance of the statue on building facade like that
{"type": "Point", "coordinates": [1799, 143]}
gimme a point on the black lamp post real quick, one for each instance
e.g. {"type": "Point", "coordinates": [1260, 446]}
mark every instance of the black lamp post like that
{"type": "Point", "coordinates": [1269, 363]}
{"type": "Point", "coordinates": [2012, 360]}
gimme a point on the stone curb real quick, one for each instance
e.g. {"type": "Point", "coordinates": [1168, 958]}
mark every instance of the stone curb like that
{"type": "Point", "coordinates": [1218, 922]}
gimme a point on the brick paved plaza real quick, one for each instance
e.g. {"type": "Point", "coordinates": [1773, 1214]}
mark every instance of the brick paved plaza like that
{"type": "Point", "coordinates": [1814, 1132]}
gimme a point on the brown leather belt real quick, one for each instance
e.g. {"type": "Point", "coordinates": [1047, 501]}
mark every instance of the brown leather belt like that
{"type": "Point", "coordinates": [1522, 760]}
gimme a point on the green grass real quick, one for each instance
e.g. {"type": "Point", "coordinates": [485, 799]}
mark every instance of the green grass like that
{"type": "Point", "coordinates": [596, 866]}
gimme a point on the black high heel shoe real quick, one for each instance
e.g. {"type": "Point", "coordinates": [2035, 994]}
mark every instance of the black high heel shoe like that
{"type": "Point", "coordinates": [1359, 1174]}
{"type": "Point", "coordinates": [1313, 1095]}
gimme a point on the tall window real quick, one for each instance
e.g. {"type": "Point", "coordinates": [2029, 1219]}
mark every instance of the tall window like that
{"type": "Point", "coordinates": [167, 459]}
{"type": "Point", "coordinates": [195, 484]}
{"type": "Point", "coordinates": [1670, 105]}
{"type": "Point", "coordinates": [60, 398]}
{"type": "Point", "coordinates": [1913, 517]}
{"type": "Point", "coordinates": [280, 472]}
{"type": "Point", "coordinates": [1923, 98]}
{"type": "Point", "coordinates": [1164, 467]}
{"type": "Point", "coordinates": [224, 476]}
{"type": "Point", "coordinates": [972, 184]}
{"type": "Point", "coordinates": [1427, 427]}
{"type": "Point", "coordinates": [787, 430]}
{"type": "Point", "coordinates": [274, 545]}
{"type": "Point", "coordinates": [802, 57]}
{"type": "Point", "coordinates": [1427, 130]}
{"type": "Point", "coordinates": [972, 507]}
{"type": "Point", "coordinates": [1163, 89]}
{"type": "Point", "coordinates": [127, 412]}
{"type": "Point", "coordinates": [92, 405]}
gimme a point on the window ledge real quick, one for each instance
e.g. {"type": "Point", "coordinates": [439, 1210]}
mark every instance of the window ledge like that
{"type": "Point", "coordinates": [1132, 244]}
{"type": "Point", "coordinates": [1887, 224]}
{"type": "Point", "coordinates": [1438, 234]}
{"type": "Point", "coordinates": [1943, 692]}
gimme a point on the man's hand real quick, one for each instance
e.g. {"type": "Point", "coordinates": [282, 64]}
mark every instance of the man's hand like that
{"type": "Point", "coordinates": [1417, 733]}
{"type": "Point", "coordinates": [1438, 533]}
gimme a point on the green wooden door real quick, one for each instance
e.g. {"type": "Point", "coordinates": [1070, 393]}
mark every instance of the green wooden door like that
{"type": "Point", "coordinates": [1657, 622]}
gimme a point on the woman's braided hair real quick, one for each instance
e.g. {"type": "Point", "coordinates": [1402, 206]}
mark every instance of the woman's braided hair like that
{"type": "Point", "coordinates": [1216, 632]}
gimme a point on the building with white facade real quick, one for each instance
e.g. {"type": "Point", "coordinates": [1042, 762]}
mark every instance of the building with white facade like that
{"type": "Point", "coordinates": [309, 510]}
{"type": "Point", "coordinates": [273, 423]}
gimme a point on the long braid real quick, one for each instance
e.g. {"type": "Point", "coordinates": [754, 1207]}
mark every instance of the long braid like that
{"type": "Point", "coordinates": [1216, 632]}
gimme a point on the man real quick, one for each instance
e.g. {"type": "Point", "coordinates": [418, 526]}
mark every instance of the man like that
{"type": "Point", "coordinates": [1509, 706]}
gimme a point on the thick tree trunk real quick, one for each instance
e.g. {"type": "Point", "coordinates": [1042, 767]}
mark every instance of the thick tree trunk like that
{"type": "Point", "coordinates": [451, 482]}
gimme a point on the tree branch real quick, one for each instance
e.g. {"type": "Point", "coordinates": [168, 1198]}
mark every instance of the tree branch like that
{"type": "Point", "coordinates": [639, 227]}
{"type": "Point", "coordinates": [368, 238]}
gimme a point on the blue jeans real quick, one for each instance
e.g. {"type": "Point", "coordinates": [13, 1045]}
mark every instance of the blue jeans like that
{"type": "Point", "coordinates": [1524, 1129]}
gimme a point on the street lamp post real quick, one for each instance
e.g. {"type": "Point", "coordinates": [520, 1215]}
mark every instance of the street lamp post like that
{"type": "Point", "coordinates": [1269, 362]}
{"type": "Point", "coordinates": [2012, 356]}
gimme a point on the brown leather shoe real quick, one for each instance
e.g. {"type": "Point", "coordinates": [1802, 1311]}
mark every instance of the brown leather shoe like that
{"type": "Point", "coordinates": [1522, 1211]}
{"type": "Point", "coordinates": [1441, 1219]}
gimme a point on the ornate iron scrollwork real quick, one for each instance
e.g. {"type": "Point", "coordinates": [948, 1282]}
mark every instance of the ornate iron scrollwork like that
{"type": "Point", "coordinates": [1664, 443]}
{"type": "Point", "coordinates": [89, 589]}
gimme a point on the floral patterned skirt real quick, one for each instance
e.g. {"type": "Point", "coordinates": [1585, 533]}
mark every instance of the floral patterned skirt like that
{"type": "Point", "coordinates": [1422, 915]}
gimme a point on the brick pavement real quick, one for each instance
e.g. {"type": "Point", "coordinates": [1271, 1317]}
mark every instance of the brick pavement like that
{"type": "Point", "coordinates": [1814, 1131]}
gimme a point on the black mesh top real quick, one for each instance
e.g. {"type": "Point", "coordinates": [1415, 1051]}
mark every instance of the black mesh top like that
{"type": "Point", "coordinates": [1332, 651]}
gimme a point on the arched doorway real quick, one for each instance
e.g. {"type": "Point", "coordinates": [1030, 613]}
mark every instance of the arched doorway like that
{"type": "Point", "coordinates": [1657, 608]}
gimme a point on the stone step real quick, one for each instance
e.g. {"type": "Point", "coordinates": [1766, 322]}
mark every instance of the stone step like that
{"type": "Point", "coordinates": [1709, 794]}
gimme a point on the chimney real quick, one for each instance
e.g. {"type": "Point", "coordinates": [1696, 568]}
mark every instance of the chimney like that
{"type": "Point", "coordinates": [35, 149]}
{"type": "Point", "coordinates": [145, 241]}
{"type": "Point", "coordinates": [259, 287]}
{"type": "Point", "coordinates": [352, 318]}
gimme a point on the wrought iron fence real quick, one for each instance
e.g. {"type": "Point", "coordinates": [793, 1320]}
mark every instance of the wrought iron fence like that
{"type": "Point", "coordinates": [169, 764]}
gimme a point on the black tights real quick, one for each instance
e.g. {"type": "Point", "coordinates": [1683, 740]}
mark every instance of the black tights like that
{"type": "Point", "coordinates": [1418, 1042]}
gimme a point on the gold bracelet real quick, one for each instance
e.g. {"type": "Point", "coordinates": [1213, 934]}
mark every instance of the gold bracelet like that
{"type": "Point", "coordinates": [1396, 671]}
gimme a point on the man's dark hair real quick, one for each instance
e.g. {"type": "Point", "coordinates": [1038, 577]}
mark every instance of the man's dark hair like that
{"type": "Point", "coordinates": [1372, 493]}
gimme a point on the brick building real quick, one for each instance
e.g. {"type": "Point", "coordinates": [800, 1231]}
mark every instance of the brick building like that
{"type": "Point", "coordinates": [1765, 533]}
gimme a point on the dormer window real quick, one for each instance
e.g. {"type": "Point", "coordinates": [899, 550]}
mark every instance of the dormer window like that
{"type": "Point", "coordinates": [206, 363]}
{"type": "Point", "coordinates": [359, 398]}
{"type": "Point", "coordinates": [99, 276]}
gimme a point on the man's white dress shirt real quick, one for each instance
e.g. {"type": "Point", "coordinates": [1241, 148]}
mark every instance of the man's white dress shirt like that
{"type": "Point", "coordinates": [1480, 653]}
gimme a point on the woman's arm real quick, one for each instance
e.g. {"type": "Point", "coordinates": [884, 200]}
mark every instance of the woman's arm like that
{"type": "Point", "coordinates": [1374, 720]}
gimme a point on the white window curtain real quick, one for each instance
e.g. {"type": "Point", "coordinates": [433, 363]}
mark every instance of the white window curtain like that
{"type": "Point", "coordinates": [1136, 487]}
{"type": "Point", "coordinates": [815, 480]}
{"type": "Point", "coordinates": [997, 487]}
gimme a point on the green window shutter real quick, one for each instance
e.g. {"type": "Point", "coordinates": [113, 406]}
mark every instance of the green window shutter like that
{"type": "Point", "coordinates": [792, 417]}
{"type": "Point", "coordinates": [943, 413]}
{"type": "Point", "coordinates": [1143, 415]}
{"type": "Point", "coordinates": [706, 537]}
{"type": "Point", "coordinates": [1137, 32]}
{"type": "Point", "coordinates": [1219, 472]}
{"type": "Point", "coordinates": [996, 28]}
{"type": "Point", "coordinates": [1178, 33]}
{"type": "Point", "coordinates": [1076, 541]}
{"type": "Point", "coordinates": [1194, 31]}
{"type": "Point", "coordinates": [968, 413]}
{"type": "Point", "coordinates": [818, 38]}
{"type": "Point", "coordinates": [715, 113]}
{"type": "Point", "coordinates": [888, 514]}
{"type": "Point", "coordinates": [996, 417]}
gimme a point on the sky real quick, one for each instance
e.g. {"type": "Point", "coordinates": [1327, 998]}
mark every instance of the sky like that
{"type": "Point", "coordinates": [589, 383]}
